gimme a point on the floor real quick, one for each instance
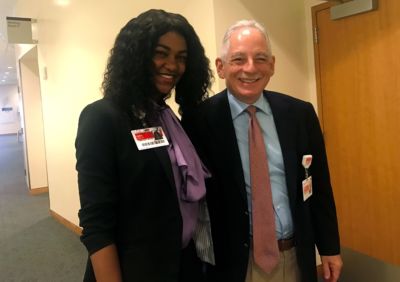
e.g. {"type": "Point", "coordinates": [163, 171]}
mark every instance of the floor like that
{"type": "Point", "coordinates": [33, 246]}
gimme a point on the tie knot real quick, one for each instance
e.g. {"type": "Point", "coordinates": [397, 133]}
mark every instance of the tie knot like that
{"type": "Point", "coordinates": [251, 110]}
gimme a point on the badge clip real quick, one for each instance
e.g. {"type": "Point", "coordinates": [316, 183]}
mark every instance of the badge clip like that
{"type": "Point", "coordinates": [306, 162]}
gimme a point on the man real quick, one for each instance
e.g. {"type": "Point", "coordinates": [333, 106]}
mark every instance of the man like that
{"type": "Point", "coordinates": [302, 211]}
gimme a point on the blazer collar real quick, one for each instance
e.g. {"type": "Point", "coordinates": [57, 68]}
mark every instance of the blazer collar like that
{"type": "Point", "coordinates": [162, 155]}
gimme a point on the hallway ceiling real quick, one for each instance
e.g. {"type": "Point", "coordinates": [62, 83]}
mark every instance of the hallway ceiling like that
{"type": "Point", "coordinates": [8, 74]}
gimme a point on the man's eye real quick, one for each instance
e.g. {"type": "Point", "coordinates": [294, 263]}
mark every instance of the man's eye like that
{"type": "Point", "coordinates": [261, 59]}
{"type": "Point", "coordinates": [237, 60]}
{"type": "Point", "coordinates": [263, 56]}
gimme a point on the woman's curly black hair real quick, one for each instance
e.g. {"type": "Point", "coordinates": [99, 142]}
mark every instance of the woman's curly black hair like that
{"type": "Point", "coordinates": [128, 78]}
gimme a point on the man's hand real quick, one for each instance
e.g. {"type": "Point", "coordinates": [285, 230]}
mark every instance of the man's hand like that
{"type": "Point", "coordinates": [332, 266]}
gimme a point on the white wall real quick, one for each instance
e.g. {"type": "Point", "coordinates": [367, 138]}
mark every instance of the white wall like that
{"type": "Point", "coordinates": [35, 152]}
{"type": "Point", "coordinates": [9, 120]}
{"type": "Point", "coordinates": [74, 42]}
{"type": "Point", "coordinates": [311, 81]}
{"type": "Point", "coordinates": [286, 29]}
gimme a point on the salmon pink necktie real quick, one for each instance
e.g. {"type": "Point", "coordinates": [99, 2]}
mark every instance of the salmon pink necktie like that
{"type": "Point", "coordinates": [265, 244]}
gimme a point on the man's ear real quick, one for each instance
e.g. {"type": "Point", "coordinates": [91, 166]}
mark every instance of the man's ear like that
{"type": "Point", "coordinates": [220, 68]}
{"type": "Point", "coordinates": [272, 65]}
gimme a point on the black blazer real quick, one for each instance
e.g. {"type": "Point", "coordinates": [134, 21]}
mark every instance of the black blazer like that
{"type": "Point", "coordinates": [128, 197]}
{"type": "Point", "coordinates": [315, 222]}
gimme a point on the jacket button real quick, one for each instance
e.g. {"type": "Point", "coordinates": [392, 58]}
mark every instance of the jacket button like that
{"type": "Point", "coordinates": [246, 245]}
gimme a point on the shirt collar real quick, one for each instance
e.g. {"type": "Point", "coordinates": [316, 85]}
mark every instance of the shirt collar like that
{"type": "Point", "coordinates": [237, 107]}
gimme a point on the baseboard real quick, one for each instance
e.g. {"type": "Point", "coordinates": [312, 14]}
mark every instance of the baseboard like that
{"type": "Point", "coordinates": [38, 191]}
{"type": "Point", "coordinates": [66, 223]}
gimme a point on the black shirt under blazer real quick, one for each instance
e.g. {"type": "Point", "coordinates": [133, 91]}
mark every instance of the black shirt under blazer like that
{"type": "Point", "coordinates": [211, 130]}
{"type": "Point", "coordinates": [128, 197]}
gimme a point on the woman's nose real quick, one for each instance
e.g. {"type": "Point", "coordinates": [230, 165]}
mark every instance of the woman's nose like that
{"type": "Point", "coordinates": [171, 63]}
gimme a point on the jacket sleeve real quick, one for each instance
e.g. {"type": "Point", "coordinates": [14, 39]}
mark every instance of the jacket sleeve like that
{"type": "Point", "coordinates": [97, 176]}
{"type": "Point", "coordinates": [323, 205]}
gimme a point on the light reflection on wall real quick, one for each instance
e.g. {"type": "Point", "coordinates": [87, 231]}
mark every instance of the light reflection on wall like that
{"type": "Point", "coordinates": [62, 2]}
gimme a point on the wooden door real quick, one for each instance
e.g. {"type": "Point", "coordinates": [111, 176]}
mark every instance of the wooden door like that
{"type": "Point", "coordinates": [358, 80]}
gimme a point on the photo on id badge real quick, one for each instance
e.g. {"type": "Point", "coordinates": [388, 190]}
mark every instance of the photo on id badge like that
{"type": "Point", "coordinates": [148, 138]}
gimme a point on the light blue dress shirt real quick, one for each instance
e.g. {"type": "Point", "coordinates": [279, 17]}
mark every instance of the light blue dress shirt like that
{"type": "Point", "coordinates": [280, 198]}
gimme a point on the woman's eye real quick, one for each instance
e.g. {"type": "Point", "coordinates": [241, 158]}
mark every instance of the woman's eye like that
{"type": "Point", "coordinates": [181, 59]}
{"type": "Point", "coordinates": [160, 54]}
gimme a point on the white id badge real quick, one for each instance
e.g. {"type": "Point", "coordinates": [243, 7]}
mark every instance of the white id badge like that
{"type": "Point", "coordinates": [148, 138]}
{"type": "Point", "coordinates": [307, 188]}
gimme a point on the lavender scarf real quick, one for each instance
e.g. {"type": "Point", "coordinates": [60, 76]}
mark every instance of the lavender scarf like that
{"type": "Point", "coordinates": [189, 173]}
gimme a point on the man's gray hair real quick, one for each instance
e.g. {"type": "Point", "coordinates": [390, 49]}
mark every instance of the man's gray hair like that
{"type": "Point", "coordinates": [238, 25]}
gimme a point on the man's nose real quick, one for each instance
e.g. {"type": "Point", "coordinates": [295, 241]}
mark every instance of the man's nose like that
{"type": "Point", "coordinates": [249, 66]}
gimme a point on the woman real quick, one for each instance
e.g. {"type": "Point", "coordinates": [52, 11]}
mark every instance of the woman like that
{"type": "Point", "coordinates": [140, 179]}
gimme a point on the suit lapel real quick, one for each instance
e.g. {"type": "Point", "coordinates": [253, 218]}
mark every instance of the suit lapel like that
{"type": "Point", "coordinates": [285, 124]}
{"type": "Point", "coordinates": [220, 121]}
{"type": "Point", "coordinates": [162, 156]}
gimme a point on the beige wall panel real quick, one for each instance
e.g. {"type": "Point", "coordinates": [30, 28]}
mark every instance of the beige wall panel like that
{"type": "Point", "coordinates": [285, 25]}
{"type": "Point", "coordinates": [33, 120]}
{"type": "Point", "coordinates": [74, 43]}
